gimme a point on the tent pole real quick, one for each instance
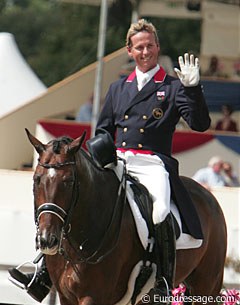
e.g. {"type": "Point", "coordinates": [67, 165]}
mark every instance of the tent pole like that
{"type": "Point", "coordinates": [99, 68]}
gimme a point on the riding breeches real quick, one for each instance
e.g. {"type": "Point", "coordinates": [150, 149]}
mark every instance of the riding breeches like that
{"type": "Point", "coordinates": [150, 171]}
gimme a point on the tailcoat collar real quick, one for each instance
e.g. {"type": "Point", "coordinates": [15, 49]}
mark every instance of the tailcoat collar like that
{"type": "Point", "coordinates": [158, 77]}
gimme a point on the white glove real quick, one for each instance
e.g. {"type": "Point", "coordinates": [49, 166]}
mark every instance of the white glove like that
{"type": "Point", "coordinates": [189, 73]}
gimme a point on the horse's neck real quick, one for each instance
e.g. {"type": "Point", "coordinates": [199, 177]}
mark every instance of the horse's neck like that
{"type": "Point", "coordinates": [87, 171]}
{"type": "Point", "coordinates": [97, 196]}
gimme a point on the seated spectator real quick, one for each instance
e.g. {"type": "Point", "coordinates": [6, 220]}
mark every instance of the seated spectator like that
{"type": "Point", "coordinates": [167, 64]}
{"type": "Point", "coordinates": [85, 111]}
{"type": "Point", "coordinates": [127, 68]}
{"type": "Point", "coordinates": [226, 123]}
{"type": "Point", "coordinates": [215, 68]}
{"type": "Point", "coordinates": [230, 177]}
{"type": "Point", "coordinates": [211, 176]}
{"type": "Point", "coordinates": [236, 69]}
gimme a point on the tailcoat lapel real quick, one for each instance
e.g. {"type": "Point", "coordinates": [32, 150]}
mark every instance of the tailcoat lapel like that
{"type": "Point", "coordinates": [153, 85]}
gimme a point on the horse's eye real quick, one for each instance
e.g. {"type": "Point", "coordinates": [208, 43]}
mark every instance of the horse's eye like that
{"type": "Point", "coordinates": [68, 181]}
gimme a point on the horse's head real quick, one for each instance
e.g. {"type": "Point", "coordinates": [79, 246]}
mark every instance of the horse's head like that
{"type": "Point", "coordinates": [54, 190]}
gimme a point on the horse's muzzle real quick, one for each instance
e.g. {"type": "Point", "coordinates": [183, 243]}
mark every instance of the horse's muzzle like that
{"type": "Point", "coordinates": [47, 243]}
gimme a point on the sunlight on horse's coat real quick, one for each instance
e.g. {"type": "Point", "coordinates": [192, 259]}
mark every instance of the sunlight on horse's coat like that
{"type": "Point", "coordinates": [51, 172]}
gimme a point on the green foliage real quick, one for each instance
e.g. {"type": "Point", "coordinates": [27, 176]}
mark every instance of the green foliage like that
{"type": "Point", "coordinates": [57, 39]}
{"type": "Point", "coordinates": [178, 36]}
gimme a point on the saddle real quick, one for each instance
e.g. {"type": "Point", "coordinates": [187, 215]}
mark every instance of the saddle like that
{"type": "Point", "coordinates": [144, 202]}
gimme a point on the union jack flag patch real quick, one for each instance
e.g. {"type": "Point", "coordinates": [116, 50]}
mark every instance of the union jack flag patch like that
{"type": "Point", "coordinates": [160, 95]}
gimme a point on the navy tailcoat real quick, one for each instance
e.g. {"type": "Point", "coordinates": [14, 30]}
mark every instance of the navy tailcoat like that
{"type": "Point", "coordinates": [146, 120]}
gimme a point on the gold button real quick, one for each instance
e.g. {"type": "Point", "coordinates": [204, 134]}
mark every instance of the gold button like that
{"type": "Point", "coordinates": [124, 143]}
{"type": "Point", "coordinates": [126, 117]}
{"type": "Point", "coordinates": [141, 130]}
{"type": "Point", "coordinates": [125, 129]}
{"type": "Point", "coordinates": [144, 117]}
{"type": "Point", "coordinates": [140, 146]}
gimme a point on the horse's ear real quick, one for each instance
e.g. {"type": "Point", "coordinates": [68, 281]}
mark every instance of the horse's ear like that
{"type": "Point", "coordinates": [35, 142]}
{"type": "Point", "coordinates": [75, 145]}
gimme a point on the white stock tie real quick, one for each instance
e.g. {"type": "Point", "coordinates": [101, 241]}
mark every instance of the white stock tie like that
{"type": "Point", "coordinates": [142, 83]}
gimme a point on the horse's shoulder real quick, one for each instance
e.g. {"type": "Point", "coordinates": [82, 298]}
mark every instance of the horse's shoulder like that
{"type": "Point", "coordinates": [189, 182]}
{"type": "Point", "coordinates": [194, 187]}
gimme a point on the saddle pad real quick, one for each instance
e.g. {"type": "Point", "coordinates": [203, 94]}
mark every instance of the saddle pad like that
{"type": "Point", "coordinates": [185, 241]}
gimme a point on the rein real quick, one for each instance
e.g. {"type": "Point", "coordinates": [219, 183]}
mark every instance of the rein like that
{"type": "Point", "coordinates": [65, 216]}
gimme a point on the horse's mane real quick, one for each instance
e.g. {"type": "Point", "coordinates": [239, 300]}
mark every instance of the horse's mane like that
{"type": "Point", "coordinates": [65, 140]}
{"type": "Point", "coordinates": [87, 156]}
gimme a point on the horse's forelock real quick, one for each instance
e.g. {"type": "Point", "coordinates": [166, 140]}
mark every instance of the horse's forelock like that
{"type": "Point", "coordinates": [58, 143]}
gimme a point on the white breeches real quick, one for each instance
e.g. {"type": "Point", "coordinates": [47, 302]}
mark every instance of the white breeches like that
{"type": "Point", "coordinates": [151, 172]}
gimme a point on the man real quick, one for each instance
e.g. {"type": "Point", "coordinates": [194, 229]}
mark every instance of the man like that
{"type": "Point", "coordinates": [211, 176]}
{"type": "Point", "coordinates": [140, 113]}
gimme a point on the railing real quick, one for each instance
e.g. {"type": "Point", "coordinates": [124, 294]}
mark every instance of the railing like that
{"type": "Point", "coordinates": [221, 91]}
{"type": "Point", "coordinates": [233, 2]}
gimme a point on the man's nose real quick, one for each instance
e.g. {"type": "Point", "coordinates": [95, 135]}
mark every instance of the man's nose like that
{"type": "Point", "coordinates": [145, 50]}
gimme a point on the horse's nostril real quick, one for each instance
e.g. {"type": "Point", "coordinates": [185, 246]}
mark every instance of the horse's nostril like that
{"type": "Point", "coordinates": [49, 241]}
{"type": "Point", "coordinates": [43, 242]}
{"type": "Point", "coordinates": [53, 241]}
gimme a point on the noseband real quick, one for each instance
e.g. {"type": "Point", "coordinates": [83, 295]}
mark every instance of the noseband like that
{"type": "Point", "coordinates": [53, 209]}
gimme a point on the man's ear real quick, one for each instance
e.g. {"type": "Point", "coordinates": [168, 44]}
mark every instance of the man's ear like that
{"type": "Point", "coordinates": [129, 50]}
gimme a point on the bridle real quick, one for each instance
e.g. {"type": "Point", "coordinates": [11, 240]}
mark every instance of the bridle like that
{"type": "Point", "coordinates": [52, 208]}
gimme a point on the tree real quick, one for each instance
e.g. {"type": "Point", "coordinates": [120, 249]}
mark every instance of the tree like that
{"type": "Point", "coordinates": [58, 39]}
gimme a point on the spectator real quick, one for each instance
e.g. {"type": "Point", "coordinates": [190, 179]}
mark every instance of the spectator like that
{"type": "Point", "coordinates": [127, 68]}
{"type": "Point", "coordinates": [230, 177]}
{"type": "Point", "coordinates": [226, 123]}
{"type": "Point", "coordinates": [214, 68]}
{"type": "Point", "coordinates": [167, 64]}
{"type": "Point", "coordinates": [85, 111]}
{"type": "Point", "coordinates": [236, 69]}
{"type": "Point", "coordinates": [211, 176]}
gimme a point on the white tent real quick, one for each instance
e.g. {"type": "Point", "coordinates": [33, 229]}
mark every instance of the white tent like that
{"type": "Point", "coordinates": [18, 83]}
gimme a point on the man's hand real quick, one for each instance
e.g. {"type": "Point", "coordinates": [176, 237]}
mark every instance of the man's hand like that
{"type": "Point", "coordinates": [189, 71]}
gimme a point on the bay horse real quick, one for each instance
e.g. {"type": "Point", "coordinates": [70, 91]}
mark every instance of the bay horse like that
{"type": "Point", "coordinates": [87, 232]}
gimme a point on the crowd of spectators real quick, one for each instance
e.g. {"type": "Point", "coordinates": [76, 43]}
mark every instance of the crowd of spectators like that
{"type": "Point", "coordinates": [218, 173]}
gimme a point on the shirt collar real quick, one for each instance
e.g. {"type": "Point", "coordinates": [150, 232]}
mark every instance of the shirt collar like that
{"type": "Point", "coordinates": [159, 75]}
{"type": "Point", "coordinates": [147, 75]}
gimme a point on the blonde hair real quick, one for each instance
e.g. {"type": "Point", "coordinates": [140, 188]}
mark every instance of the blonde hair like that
{"type": "Point", "coordinates": [140, 26]}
